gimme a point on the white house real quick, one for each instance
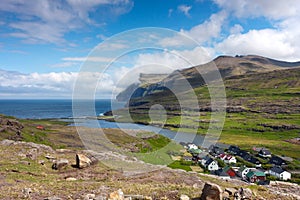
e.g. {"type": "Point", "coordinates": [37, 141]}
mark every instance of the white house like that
{"type": "Point", "coordinates": [230, 159]}
{"type": "Point", "coordinates": [243, 171]}
{"type": "Point", "coordinates": [210, 163]}
{"type": "Point", "coordinates": [192, 146]}
{"type": "Point", "coordinates": [280, 173]}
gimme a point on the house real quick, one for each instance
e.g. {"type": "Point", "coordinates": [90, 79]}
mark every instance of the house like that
{"type": "Point", "coordinates": [195, 152]}
{"type": "Point", "coordinates": [275, 160]}
{"type": "Point", "coordinates": [243, 171]}
{"type": "Point", "coordinates": [280, 173]}
{"type": "Point", "coordinates": [192, 146]}
{"type": "Point", "coordinates": [210, 163]}
{"type": "Point", "coordinates": [244, 154]}
{"type": "Point", "coordinates": [255, 176]}
{"type": "Point", "coordinates": [187, 156]}
{"type": "Point", "coordinates": [264, 153]}
{"type": "Point", "coordinates": [215, 150]}
{"type": "Point", "coordinates": [249, 158]}
{"type": "Point", "coordinates": [254, 161]}
{"type": "Point", "coordinates": [228, 170]}
{"type": "Point", "coordinates": [234, 150]}
{"type": "Point", "coordinates": [229, 159]}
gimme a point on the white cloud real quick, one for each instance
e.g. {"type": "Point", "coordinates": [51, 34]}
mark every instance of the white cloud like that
{"type": "Point", "coordinates": [202, 33]}
{"type": "Point", "coordinates": [57, 85]}
{"type": "Point", "coordinates": [267, 42]}
{"type": "Point", "coordinates": [48, 21]}
{"type": "Point", "coordinates": [185, 9]}
{"type": "Point", "coordinates": [236, 29]}
{"type": "Point", "coordinates": [279, 9]}
{"type": "Point", "coordinates": [89, 59]}
{"type": "Point", "coordinates": [280, 42]}
{"type": "Point", "coordinates": [65, 64]}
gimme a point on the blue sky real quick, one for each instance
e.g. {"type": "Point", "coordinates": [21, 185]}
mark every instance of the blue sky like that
{"type": "Point", "coordinates": [43, 43]}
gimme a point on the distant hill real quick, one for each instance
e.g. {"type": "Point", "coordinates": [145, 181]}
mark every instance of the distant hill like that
{"type": "Point", "coordinates": [227, 65]}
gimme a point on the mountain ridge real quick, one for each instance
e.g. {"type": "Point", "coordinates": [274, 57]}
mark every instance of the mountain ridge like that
{"type": "Point", "coordinates": [227, 66]}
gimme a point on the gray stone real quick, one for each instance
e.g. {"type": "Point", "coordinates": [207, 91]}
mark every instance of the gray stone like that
{"type": "Point", "coordinates": [83, 161]}
{"type": "Point", "coordinates": [53, 198]}
{"type": "Point", "coordinates": [59, 164]}
{"type": "Point", "coordinates": [230, 191]}
{"type": "Point", "coordinates": [89, 196]}
{"type": "Point", "coordinates": [27, 192]}
{"type": "Point", "coordinates": [246, 193]}
{"type": "Point", "coordinates": [116, 195]}
{"type": "Point", "coordinates": [184, 197]}
{"type": "Point", "coordinates": [211, 191]}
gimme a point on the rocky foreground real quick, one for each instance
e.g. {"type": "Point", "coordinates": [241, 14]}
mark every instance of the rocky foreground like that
{"type": "Point", "coordinates": [35, 171]}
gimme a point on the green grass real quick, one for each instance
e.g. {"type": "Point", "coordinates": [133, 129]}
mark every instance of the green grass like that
{"type": "Point", "coordinates": [180, 165]}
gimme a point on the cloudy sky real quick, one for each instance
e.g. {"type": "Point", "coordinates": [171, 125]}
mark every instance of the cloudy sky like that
{"type": "Point", "coordinates": [44, 44]}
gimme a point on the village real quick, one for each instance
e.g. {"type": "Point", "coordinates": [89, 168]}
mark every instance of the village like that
{"type": "Point", "coordinates": [258, 166]}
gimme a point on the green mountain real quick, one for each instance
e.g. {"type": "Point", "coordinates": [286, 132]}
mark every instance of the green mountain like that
{"type": "Point", "coordinates": [226, 65]}
{"type": "Point", "coordinates": [262, 103]}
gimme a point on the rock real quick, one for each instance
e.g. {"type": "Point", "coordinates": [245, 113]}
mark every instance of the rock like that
{"type": "Point", "coordinates": [83, 161]}
{"type": "Point", "coordinates": [237, 196]}
{"type": "Point", "coordinates": [71, 179]}
{"type": "Point", "coordinates": [53, 198]}
{"type": "Point", "coordinates": [230, 191]}
{"type": "Point", "coordinates": [41, 162]}
{"type": "Point", "coordinates": [184, 197]}
{"type": "Point", "coordinates": [24, 162]}
{"type": "Point", "coordinates": [89, 196]}
{"type": "Point", "coordinates": [49, 157]}
{"type": "Point", "coordinates": [59, 164]}
{"type": "Point", "coordinates": [32, 154]}
{"type": "Point", "coordinates": [226, 195]}
{"type": "Point", "coordinates": [100, 197]}
{"type": "Point", "coordinates": [116, 195]}
{"type": "Point", "coordinates": [211, 191]}
{"type": "Point", "coordinates": [26, 192]}
{"type": "Point", "coordinates": [246, 193]}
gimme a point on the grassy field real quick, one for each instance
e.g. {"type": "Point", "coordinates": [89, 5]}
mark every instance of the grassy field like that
{"type": "Point", "coordinates": [268, 114]}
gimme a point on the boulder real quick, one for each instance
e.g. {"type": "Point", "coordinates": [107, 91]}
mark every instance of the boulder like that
{"type": "Point", "coordinates": [116, 195]}
{"type": "Point", "coordinates": [226, 195]}
{"type": "Point", "coordinates": [83, 161]}
{"type": "Point", "coordinates": [184, 197]}
{"type": "Point", "coordinates": [211, 191]}
{"type": "Point", "coordinates": [89, 196]}
{"type": "Point", "coordinates": [59, 164]}
{"type": "Point", "coordinates": [230, 191]}
{"type": "Point", "coordinates": [53, 198]}
{"type": "Point", "coordinates": [246, 193]}
{"type": "Point", "coordinates": [27, 192]}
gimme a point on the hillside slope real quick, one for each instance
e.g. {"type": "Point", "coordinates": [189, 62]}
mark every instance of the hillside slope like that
{"type": "Point", "coordinates": [227, 66]}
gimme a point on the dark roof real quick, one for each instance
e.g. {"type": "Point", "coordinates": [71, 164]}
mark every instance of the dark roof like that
{"type": "Point", "coordinates": [265, 152]}
{"type": "Point", "coordinates": [221, 172]}
{"type": "Point", "coordinates": [244, 154]}
{"type": "Point", "coordinates": [276, 160]}
{"type": "Point", "coordinates": [253, 160]}
{"type": "Point", "coordinates": [234, 149]}
{"type": "Point", "coordinates": [277, 169]}
{"type": "Point", "coordinates": [210, 160]}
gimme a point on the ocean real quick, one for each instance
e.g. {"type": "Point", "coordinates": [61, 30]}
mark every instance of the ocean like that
{"type": "Point", "coordinates": [49, 109]}
{"type": "Point", "coordinates": [62, 109]}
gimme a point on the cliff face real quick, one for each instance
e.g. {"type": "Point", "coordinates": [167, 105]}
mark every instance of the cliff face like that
{"type": "Point", "coordinates": [181, 80]}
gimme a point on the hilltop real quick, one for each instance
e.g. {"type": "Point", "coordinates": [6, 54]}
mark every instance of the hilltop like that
{"type": "Point", "coordinates": [226, 65]}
